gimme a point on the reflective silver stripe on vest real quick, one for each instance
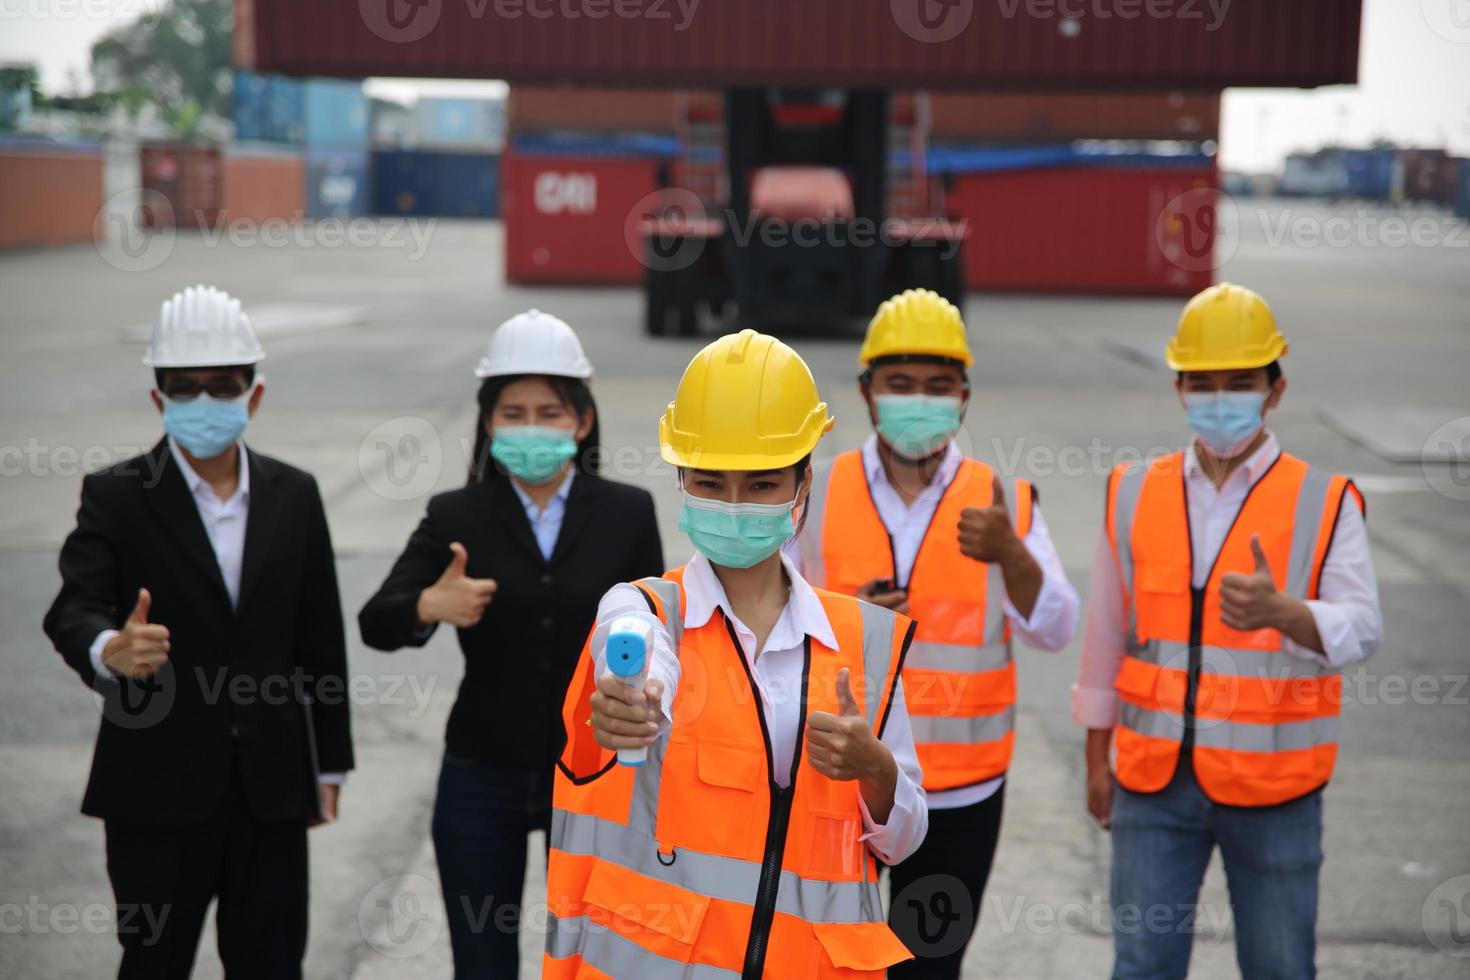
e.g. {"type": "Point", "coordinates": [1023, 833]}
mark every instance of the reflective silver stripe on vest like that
{"type": "Point", "coordinates": [618, 956]}
{"type": "Point", "coordinates": [879, 625]}
{"type": "Point", "coordinates": [667, 591]}
{"type": "Point", "coordinates": [715, 876]}
{"type": "Point", "coordinates": [937, 729]}
{"type": "Point", "coordinates": [1125, 505]}
{"type": "Point", "coordinates": [1236, 736]}
{"type": "Point", "coordinates": [643, 804]}
{"type": "Point", "coordinates": [957, 658]}
{"type": "Point", "coordinates": [1229, 662]}
{"type": "Point", "coordinates": [1311, 504]}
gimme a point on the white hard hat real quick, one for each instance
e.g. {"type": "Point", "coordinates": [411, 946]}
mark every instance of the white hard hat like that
{"type": "Point", "coordinates": [202, 327]}
{"type": "Point", "coordinates": [534, 343]}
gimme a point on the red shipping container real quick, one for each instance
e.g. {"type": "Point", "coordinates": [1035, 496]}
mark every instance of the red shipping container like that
{"type": "Point", "coordinates": [1094, 229]}
{"type": "Point", "coordinates": [49, 195]}
{"type": "Point", "coordinates": [566, 218]}
{"type": "Point", "coordinates": [189, 178]}
{"type": "Point", "coordinates": [536, 108]}
{"type": "Point", "coordinates": [872, 43]}
{"type": "Point", "coordinates": [259, 187]}
{"type": "Point", "coordinates": [1049, 116]}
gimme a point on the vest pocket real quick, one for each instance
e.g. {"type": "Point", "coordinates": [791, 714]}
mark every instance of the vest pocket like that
{"type": "Point", "coordinates": [709, 799]}
{"type": "Point", "coordinates": [835, 851]}
{"type": "Point", "coordinates": [857, 949]}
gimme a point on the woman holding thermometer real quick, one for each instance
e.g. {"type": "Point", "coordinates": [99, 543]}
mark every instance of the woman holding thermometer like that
{"type": "Point", "coordinates": [778, 762]}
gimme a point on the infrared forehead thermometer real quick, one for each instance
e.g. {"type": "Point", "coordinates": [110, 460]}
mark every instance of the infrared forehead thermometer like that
{"type": "Point", "coordinates": [629, 641]}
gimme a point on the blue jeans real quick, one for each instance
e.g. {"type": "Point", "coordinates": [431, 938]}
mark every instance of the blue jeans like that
{"type": "Point", "coordinates": [481, 818]}
{"type": "Point", "coordinates": [1161, 846]}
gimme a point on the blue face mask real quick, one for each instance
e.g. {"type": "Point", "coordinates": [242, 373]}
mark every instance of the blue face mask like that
{"type": "Point", "coordinates": [917, 426]}
{"type": "Point", "coordinates": [535, 453]}
{"type": "Point", "coordinates": [1225, 421]}
{"type": "Point", "coordinates": [736, 535]}
{"type": "Point", "coordinates": [206, 426]}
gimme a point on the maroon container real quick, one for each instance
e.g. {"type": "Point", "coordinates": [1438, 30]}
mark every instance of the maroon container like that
{"type": "Point", "coordinates": [539, 108]}
{"type": "Point", "coordinates": [189, 178]}
{"type": "Point", "coordinates": [1060, 116]}
{"type": "Point", "coordinates": [880, 43]}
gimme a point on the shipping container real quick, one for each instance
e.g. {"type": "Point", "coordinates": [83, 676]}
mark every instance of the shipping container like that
{"type": "Point", "coordinates": [269, 108]}
{"type": "Point", "coordinates": [460, 123]}
{"type": "Point", "coordinates": [1372, 175]}
{"type": "Point", "coordinates": [1462, 188]}
{"type": "Point", "coordinates": [337, 183]}
{"type": "Point", "coordinates": [263, 186]}
{"type": "Point", "coordinates": [567, 217]}
{"type": "Point", "coordinates": [189, 178]}
{"type": "Point", "coordinates": [1100, 226]}
{"type": "Point", "coordinates": [1013, 116]}
{"type": "Point", "coordinates": [875, 43]}
{"type": "Point", "coordinates": [50, 193]}
{"type": "Point", "coordinates": [535, 108]}
{"type": "Point", "coordinates": [1428, 176]}
{"type": "Point", "coordinates": [436, 183]}
{"type": "Point", "coordinates": [336, 114]}
{"type": "Point", "coordinates": [1320, 174]}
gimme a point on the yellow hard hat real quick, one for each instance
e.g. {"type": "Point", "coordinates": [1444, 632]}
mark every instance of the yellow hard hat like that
{"type": "Point", "coordinates": [916, 321]}
{"type": "Point", "coordinates": [746, 402]}
{"type": "Point", "coordinates": [1225, 328]}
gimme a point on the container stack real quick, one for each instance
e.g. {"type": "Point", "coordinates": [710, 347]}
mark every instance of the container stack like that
{"type": "Point", "coordinates": [337, 158]}
{"type": "Point", "coordinates": [452, 168]}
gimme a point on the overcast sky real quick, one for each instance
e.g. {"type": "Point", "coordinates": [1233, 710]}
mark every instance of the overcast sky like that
{"type": "Point", "coordinates": [1414, 79]}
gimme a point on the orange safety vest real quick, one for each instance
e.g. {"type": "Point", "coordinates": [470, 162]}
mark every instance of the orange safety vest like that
{"type": "Point", "coordinates": [696, 864]}
{"type": "Point", "coordinates": [959, 682]}
{"type": "Point", "coordinates": [1261, 724]}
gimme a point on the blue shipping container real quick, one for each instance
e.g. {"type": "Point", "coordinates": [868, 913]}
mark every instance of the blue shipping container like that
{"type": "Point", "coordinates": [464, 123]}
{"type": "Point", "coordinates": [1369, 173]}
{"type": "Point", "coordinates": [336, 114]}
{"type": "Point", "coordinates": [336, 184]}
{"type": "Point", "coordinates": [269, 108]}
{"type": "Point", "coordinates": [1462, 188]}
{"type": "Point", "coordinates": [428, 183]}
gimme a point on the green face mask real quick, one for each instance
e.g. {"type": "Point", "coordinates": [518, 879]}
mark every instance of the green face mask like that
{"type": "Point", "coordinates": [535, 453]}
{"type": "Point", "coordinates": [736, 535]}
{"type": "Point", "coordinates": [917, 426]}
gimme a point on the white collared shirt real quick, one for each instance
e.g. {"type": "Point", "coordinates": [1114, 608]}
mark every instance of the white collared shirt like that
{"type": "Point", "coordinates": [1053, 618]}
{"type": "Point", "coordinates": [546, 521]}
{"type": "Point", "coordinates": [777, 670]}
{"type": "Point", "coordinates": [1346, 613]}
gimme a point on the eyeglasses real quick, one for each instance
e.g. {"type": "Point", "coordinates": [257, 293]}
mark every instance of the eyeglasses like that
{"type": "Point", "coordinates": [187, 389]}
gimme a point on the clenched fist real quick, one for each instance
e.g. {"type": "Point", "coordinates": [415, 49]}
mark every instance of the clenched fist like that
{"type": "Point", "coordinates": [141, 647]}
{"type": "Point", "coordinates": [456, 598]}
{"type": "Point", "coordinates": [986, 533]}
{"type": "Point", "coordinates": [1250, 602]}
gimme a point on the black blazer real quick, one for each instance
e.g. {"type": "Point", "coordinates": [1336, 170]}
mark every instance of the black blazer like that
{"type": "Point", "coordinates": [520, 656]}
{"type": "Point", "coordinates": [238, 680]}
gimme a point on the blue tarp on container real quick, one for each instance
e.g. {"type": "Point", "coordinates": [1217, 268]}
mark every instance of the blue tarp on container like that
{"type": "Point", "coordinates": [946, 159]}
{"type": "Point", "coordinates": [336, 183]}
{"type": "Point", "coordinates": [429, 183]}
{"type": "Point", "coordinates": [336, 114]}
{"type": "Point", "coordinates": [596, 145]}
{"type": "Point", "coordinates": [269, 108]}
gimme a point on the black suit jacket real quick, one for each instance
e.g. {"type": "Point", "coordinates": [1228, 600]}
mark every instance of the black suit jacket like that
{"type": "Point", "coordinates": [520, 656]}
{"type": "Point", "coordinates": [266, 680]}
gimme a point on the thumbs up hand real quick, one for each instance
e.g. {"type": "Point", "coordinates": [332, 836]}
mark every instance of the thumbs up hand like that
{"type": "Point", "coordinates": [1251, 602]}
{"type": "Point", "coordinates": [140, 648]}
{"type": "Point", "coordinates": [986, 533]}
{"type": "Point", "coordinates": [843, 746]}
{"type": "Point", "coordinates": [456, 598]}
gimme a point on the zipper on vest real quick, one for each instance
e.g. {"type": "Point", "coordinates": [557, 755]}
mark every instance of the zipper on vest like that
{"type": "Point", "coordinates": [778, 822]}
{"type": "Point", "coordinates": [1196, 658]}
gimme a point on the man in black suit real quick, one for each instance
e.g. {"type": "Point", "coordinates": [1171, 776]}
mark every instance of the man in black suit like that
{"type": "Point", "coordinates": [199, 599]}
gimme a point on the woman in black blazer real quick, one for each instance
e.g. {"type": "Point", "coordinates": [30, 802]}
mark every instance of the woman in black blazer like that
{"type": "Point", "coordinates": [517, 561]}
